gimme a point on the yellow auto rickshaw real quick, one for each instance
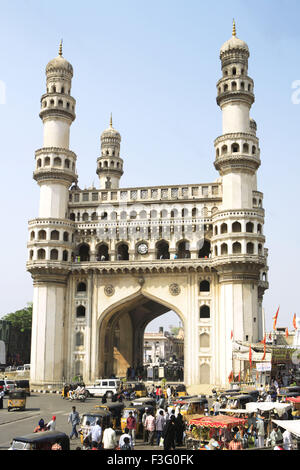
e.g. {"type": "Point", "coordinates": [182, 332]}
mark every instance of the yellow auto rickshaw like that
{"type": "Point", "coordinates": [192, 406]}
{"type": "Point", "coordinates": [89, 419]}
{"type": "Point", "coordinates": [137, 412]}
{"type": "Point", "coordinates": [116, 412]}
{"type": "Point", "coordinates": [16, 400]}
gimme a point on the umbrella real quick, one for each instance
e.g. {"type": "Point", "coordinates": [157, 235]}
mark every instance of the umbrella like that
{"type": "Point", "coordinates": [220, 421]}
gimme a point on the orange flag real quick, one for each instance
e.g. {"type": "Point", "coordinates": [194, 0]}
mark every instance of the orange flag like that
{"type": "Point", "coordinates": [250, 357]}
{"type": "Point", "coordinates": [264, 340]}
{"type": "Point", "coordinates": [286, 333]}
{"type": "Point", "coordinates": [230, 377]}
{"type": "Point", "coordinates": [275, 319]}
{"type": "Point", "coordinates": [264, 356]}
{"type": "Point", "coordinates": [231, 336]}
{"type": "Point", "coordinates": [294, 322]}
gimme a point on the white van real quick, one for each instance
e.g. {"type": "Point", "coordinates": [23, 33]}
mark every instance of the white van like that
{"type": "Point", "coordinates": [104, 387]}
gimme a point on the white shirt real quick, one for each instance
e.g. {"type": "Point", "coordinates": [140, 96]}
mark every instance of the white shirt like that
{"type": "Point", "coordinates": [95, 433]}
{"type": "Point", "coordinates": [121, 441]}
{"type": "Point", "coordinates": [109, 439]}
{"type": "Point", "coordinates": [169, 392]}
{"type": "Point", "coordinates": [51, 425]}
{"type": "Point", "coordinates": [287, 440]}
{"type": "Point", "coordinates": [216, 406]}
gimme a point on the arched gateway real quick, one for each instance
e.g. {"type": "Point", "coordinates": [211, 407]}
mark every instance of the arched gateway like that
{"type": "Point", "coordinates": [107, 261]}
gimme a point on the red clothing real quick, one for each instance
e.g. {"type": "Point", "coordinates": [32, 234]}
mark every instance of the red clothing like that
{"type": "Point", "coordinates": [131, 423]}
{"type": "Point", "coordinates": [235, 445]}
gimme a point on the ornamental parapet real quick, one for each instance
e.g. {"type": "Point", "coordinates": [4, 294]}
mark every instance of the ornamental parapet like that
{"type": "Point", "coordinates": [63, 175]}
{"type": "Point", "coordinates": [239, 259]}
{"type": "Point", "coordinates": [256, 213]}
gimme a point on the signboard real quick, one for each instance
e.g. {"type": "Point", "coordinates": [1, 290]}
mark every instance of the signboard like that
{"type": "Point", "coordinates": [263, 366]}
{"type": "Point", "coordinates": [283, 355]}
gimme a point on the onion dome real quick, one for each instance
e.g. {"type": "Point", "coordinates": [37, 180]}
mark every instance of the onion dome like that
{"type": "Point", "coordinates": [59, 64]}
{"type": "Point", "coordinates": [234, 43]}
{"type": "Point", "coordinates": [110, 132]}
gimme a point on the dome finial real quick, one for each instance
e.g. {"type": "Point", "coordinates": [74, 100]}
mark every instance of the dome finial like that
{"type": "Point", "coordinates": [60, 48]}
{"type": "Point", "coordinates": [110, 121]}
{"type": "Point", "coordinates": [233, 29]}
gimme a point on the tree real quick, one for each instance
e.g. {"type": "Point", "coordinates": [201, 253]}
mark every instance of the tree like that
{"type": "Point", "coordinates": [174, 330]}
{"type": "Point", "coordinates": [21, 319]}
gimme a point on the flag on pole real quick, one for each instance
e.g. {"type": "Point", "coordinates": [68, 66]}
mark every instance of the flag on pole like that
{"type": "Point", "coordinates": [294, 322]}
{"type": "Point", "coordinates": [230, 377]}
{"type": "Point", "coordinates": [264, 356]}
{"type": "Point", "coordinates": [264, 340]}
{"type": "Point", "coordinates": [231, 335]}
{"type": "Point", "coordinates": [275, 319]}
{"type": "Point", "coordinates": [250, 357]}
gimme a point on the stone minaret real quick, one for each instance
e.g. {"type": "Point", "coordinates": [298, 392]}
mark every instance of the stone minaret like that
{"type": "Point", "coordinates": [50, 235]}
{"type": "Point", "coordinates": [109, 164]}
{"type": "Point", "coordinates": [238, 242]}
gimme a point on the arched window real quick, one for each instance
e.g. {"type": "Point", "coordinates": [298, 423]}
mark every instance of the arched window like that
{"type": "Point", "coordinates": [174, 214]}
{"type": "Point", "coordinates": [32, 235]}
{"type": "Point", "coordinates": [233, 86]}
{"type": "Point", "coordinates": [204, 251]}
{"type": "Point", "coordinates": [94, 216]}
{"type": "Point", "coordinates": [224, 228]}
{"type": "Point", "coordinates": [253, 150]}
{"type": "Point", "coordinates": [80, 311]}
{"type": "Point", "coordinates": [41, 254]}
{"type": "Point", "coordinates": [236, 227]}
{"type": "Point", "coordinates": [259, 229]}
{"type": "Point", "coordinates": [60, 102]}
{"type": "Point", "coordinates": [250, 227]}
{"type": "Point", "coordinates": [57, 161]}
{"type": "Point", "coordinates": [122, 252]}
{"type": "Point", "coordinates": [204, 286]}
{"type": "Point", "coordinates": [153, 214]}
{"type": "Point", "coordinates": [54, 235]}
{"type": "Point", "coordinates": [66, 237]}
{"type": "Point", "coordinates": [224, 249]}
{"type": "Point", "coordinates": [143, 215]}
{"type": "Point", "coordinates": [79, 339]}
{"type": "Point", "coordinates": [162, 250]}
{"type": "Point", "coordinates": [236, 248]}
{"type": "Point", "coordinates": [250, 248]}
{"type": "Point", "coordinates": [245, 148]}
{"type": "Point", "coordinates": [84, 253]}
{"type": "Point", "coordinates": [224, 149]}
{"type": "Point", "coordinates": [47, 161]}
{"type": "Point", "coordinates": [113, 216]}
{"type": "Point", "coordinates": [102, 254]}
{"type": "Point", "coordinates": [242, 86]}
{"type": "Point", "coordinates": [81, 287]}
{"type": "Point", "coordinates": [204, 311]}
{"type": "Point", "coordinates": [216, 250]}
{"type": "Point", "coordinates": [85, 216]}
{"type": "Point", "coordinates": [72, 216]}
{"type": "Point", "coordinates": [260, 249]}
{"type": "Point", "coordinates": [31, 254]}
{"type": "Point", "coordinates": [194, 212]}
{"type": "Point", "coordinates": [235, 148]}
{"type": "Point", "coordinates": [183, 250]}
{"type": "Point", "coordinates": [216, 230]}
{"type": "Point", "coordinates": [133, 215]}
{"type": "Point", "coordinates": [39, 163]}
{"type": "Point", "coordinates": [234, 71]}
{"type": "Point", "coordinates": [54, 254]}
{"type": "Point", "coordinates": [42, 235]}
{"type": "Point", "coordinates": [65, 255]}
{"type": "Point", "coordinates": [67, 163]}
{"type": "Point", "coordinates": [163, 214]}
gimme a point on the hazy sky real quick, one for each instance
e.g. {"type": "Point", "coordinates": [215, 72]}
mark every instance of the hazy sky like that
{"type": "Point", "coordinates": [154, 65]}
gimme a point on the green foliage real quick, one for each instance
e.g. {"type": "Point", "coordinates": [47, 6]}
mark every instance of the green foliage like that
{"type": "Point", "coordinates": [21, 319]}
{"type": "Point", "coordinates": [174, 330]}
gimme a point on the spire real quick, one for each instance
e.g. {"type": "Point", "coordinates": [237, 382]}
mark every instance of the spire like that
{"type": "Point", "coordinates": [233, 29]}
{"type": "Point", "coordinates": [60, 48]}
{"type": "Point", "coordinates": [110, 121]}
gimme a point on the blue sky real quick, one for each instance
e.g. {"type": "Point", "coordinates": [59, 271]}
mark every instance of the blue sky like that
{"type": "Point", "coordinates": [154, 65]}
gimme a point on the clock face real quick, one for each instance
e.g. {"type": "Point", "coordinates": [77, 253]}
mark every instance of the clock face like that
{"type": "Point", "coordinates": [142, 248]}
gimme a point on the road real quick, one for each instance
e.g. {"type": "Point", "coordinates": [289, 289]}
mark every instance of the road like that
{"type": "Point", "coordinates": [18, 423]}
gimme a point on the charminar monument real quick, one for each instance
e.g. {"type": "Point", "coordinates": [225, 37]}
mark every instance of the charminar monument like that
{"type": "Point", "coordinates": [106, 261]}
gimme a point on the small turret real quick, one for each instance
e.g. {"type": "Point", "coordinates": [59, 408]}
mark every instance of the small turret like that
{"type": "Point", "coordinates": [109, 164]}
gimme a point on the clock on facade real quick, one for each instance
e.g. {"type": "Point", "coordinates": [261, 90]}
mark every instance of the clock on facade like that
{"type": "Point", "coordinates": [142, 249]}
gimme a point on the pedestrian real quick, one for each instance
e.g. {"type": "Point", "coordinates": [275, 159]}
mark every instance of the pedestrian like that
{"type": "Point", "coordinates": [216, 407]}
{"type": "Point", "coordinates": [95, 433]}
{"type": "Point", "coordinates": [235, 444]}
{"type": "Point", "coordinates": [169, 434]}
{"type": "Point", "coordinates": [74, 420]}
{"type": "Point", "coordinates": [126, 444]}
{"type": "Point", "coordinates": [109, 438]}
{"type": "Point", "coordinates": [1, 397]}
{"type": "Point", "coordinates": [126, 436]}
{"type": "Point", "coordinates": [145, 431]}
{"type": "Point", "coordinates": [52, 424]}
{"type": "Point", "coordinates": [260, 426]}
{"type": "Point", "coordinates": [41, 426]}
{"type": "Point", "coordinates": [169, 394]}
{"type": "Point", "coordinates": [159, 425]}
{"type": "Point", "coordinates": [131, 425]}
{"type": "Point", "coordinates": [287, 440]}
{"type": "Point", "coordinates": [150, 426]}
{"type": "Point", "coordinates": [56, 446]}
{"type": "Point", "coordinates": [86, 436]}
{"type": "Point", "coordinates": [276, 436]}
{"type": "Point", "coordinates": [179, 429]}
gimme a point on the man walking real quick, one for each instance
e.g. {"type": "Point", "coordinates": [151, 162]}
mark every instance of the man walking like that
{"type": "Point", "coordinates": [109, 438]}
{"type": "Point", "coordinates": [131, 425]}
{"type": "Point", "coordinates": [150, 426]}
{"type": "Point", "coordinates": [159, 424]}
{"type": "Point", "coordinates": [95, 433]}
{"type": "Point", "coordinates": [74, 420]}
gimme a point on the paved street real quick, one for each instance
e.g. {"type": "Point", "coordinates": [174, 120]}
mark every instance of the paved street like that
{"type": "Point", "coordinates": [17, 423]}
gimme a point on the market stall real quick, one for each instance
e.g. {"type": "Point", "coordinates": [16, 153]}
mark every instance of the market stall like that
{"type": "Point", "coordinates": [204, 428]}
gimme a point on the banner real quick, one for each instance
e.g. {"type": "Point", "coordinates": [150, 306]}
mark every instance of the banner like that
{"type": "Point", "coordinates": [263, 366]}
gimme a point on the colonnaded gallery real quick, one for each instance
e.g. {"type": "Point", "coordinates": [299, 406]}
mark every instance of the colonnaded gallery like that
{"type": "Point", "coordinates": [105, 262]}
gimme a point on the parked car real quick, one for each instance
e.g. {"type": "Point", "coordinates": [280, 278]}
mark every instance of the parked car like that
{"type": "Point", "coordinates": [104, 387]}
{"type": "Point", "coordinates": [10, 368]}
{"type": "Point", "coordinates": [8, 385]}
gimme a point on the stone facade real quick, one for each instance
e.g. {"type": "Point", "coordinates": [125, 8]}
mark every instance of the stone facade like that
{"type": "Point", "coordinates": [105, 262]}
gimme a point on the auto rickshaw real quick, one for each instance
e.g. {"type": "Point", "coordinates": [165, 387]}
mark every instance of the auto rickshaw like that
{"type": "Point", "coordinates": [192, 406]}
{"type": "Point", "coordinates": [138, 388]}
{"type": "Point", "coordinates": [41, 441]}
{"type": "Point", "coordinates": [92, 416]}
{"type": "Point", "coordinates": [180, 390]}
{"type": "Point", "coordinates": [116, 412]}
{"type": "Point", "coordinates": [144, 401]}
{"type": "Point", "coordinates": [238, 402]}
{"type": "Point", "coordinates": [16, 400]}
{"type": "Point", "coordinates": [24, 384]}
{"type": "Point", "coordinates": [137, 412]}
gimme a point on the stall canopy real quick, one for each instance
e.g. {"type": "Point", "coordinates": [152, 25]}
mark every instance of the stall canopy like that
{"type": "Point", "coordinates": [281, 408]}
{"type": "Point", "coordinates": [220, 421]}
{"type": "Point", "coordinates": [293, 426]}
{"type": "Point", "coordinates": [294, 399]}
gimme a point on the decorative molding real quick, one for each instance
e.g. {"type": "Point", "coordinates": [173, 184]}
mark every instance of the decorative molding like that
{"type": "Point", "coordinates": [174, 289]}
{"type": "Point", "coordinates": [109, 290]}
